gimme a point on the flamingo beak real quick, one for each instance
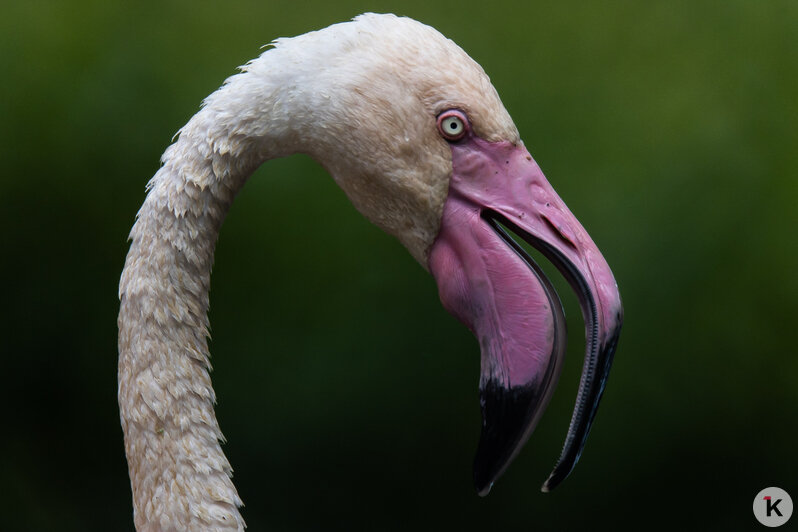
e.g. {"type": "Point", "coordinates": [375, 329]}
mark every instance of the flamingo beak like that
{"type": "Point", "coordinates": [487, 280]}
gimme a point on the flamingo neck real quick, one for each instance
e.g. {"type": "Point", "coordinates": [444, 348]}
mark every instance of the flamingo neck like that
{"type": "Point", "coordinates": [361, 98]}
{"type": "Point", "coordinates": [179, 475]}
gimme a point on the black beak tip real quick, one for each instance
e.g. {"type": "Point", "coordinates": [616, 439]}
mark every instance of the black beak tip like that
{"type": "Point", "coordinates": [482, 488]}
{"type": "Point", "coordinates": [486, 470]}
{"type": "Point", "coordinates": [577, 434]}
{"type": "Point", "coordinates": [508, 418]}
{"type": "Point", "coordinates": [553, 481]}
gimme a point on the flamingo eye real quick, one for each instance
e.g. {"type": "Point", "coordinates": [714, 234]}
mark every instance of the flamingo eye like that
{"type": "Point", "coordinates": [452, 125]}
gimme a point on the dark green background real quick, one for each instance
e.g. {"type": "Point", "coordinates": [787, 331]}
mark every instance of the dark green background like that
{"type": "Point", "coordinates": [347, 394]}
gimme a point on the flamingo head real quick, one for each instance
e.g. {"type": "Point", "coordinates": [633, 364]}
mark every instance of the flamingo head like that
{"type": "Point", "coordinates": [413, 131]}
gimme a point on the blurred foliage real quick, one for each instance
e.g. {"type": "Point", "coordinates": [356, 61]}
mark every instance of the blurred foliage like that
{"type": "Point", "coordinates": [347, 393]}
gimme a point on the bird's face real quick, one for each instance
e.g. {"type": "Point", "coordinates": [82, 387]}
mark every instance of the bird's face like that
{"type": "Point", "coordinates": [419, 140]}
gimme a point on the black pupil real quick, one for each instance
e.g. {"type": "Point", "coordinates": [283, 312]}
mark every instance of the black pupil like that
{"type": "Point", "coordinates": [453, 125]}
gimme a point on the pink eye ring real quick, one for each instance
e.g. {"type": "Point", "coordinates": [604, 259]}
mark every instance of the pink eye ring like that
{"type": "Point", "coordinates": [453, 125]}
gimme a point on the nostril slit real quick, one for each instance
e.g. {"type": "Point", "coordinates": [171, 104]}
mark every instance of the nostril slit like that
{"type": "Point", "coordinates": [559, 231]}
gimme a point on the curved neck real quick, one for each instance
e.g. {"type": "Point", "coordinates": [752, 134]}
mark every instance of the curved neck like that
{"type": "Point", "coordinates": [179, 474]}
{"type": "Point", "coordinates": [338, 96]}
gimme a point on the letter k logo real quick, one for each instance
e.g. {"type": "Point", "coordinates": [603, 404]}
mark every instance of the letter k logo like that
{"type": "Point", "coordinates": [772, 506]}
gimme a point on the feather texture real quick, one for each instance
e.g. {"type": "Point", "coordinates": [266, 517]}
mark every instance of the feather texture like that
{"type": "Point", "coordinates": [361, 98]}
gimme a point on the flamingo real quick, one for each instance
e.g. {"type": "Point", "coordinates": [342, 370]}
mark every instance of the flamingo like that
{"type": "Point", "coordinates": [410, 127]}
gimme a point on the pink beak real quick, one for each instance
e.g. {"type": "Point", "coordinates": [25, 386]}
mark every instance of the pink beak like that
{"type": "Point", "coordinates": [491, 284]}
